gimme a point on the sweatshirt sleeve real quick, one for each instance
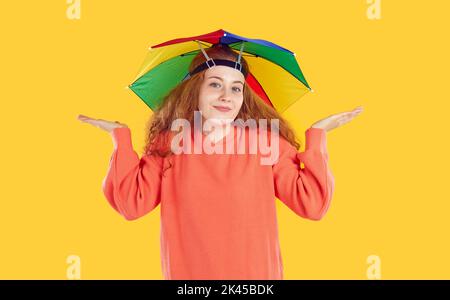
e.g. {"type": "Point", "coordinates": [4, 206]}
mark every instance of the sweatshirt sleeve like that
{"type": "Point", "coordinates": [132, 186]}
{"type": "Point", "coordinates": [303, 181]}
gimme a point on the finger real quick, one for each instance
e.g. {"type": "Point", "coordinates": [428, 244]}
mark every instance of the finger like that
{"type": "Point", "coordinates": [354, 112]}
{"type": "Point", "coordinates": [346, 113]}
{"type": "Point", "coordinates": [358, 109]}
{"type": "Point", "coordinates": [86, 117]}
{"type": "Point", "coordinates": [338, 115]}
{"type": "Point", "coordinates": [84, 120]}
{"type": "Point", "coordinates": [343, 121]}
{"type": "Point", "coordinates": [93, 122]}
{"type": "Point", "coordinates": [346, 118]}
{"type": "Point", "coordinates": [83, 117]}
{"type": "Point", "coordinates": [357, 113]}
{"type": "Point", "coordinates": [349, 115]}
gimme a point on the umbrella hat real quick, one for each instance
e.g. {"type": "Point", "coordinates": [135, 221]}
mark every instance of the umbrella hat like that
{"type": "Point", "coordinates": [273, 71]}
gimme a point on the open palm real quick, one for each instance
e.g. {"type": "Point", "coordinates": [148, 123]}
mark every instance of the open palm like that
{"type": "Point", "coordinates": [100, 123]}
{"type": "Point", "coordinates": [337, 120]}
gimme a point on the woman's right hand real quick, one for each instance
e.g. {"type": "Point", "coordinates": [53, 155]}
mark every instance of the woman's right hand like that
{"type": "Point", "coordinates": [108, 126]}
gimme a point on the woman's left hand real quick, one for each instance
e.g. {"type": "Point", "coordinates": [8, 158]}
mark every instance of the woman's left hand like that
{"type": "Point", "coordinates": [337, 120]}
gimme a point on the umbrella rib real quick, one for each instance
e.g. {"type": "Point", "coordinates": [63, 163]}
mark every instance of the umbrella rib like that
{"type": "Point", "coordinates": [255, 55]}
{"type": "Point", "coordinates": [202, 43]}
{"type": "Point", "coordinates": [196, 52]}
{"type": "Point", "coordinates": [268, 59]}
{"type": "Point", "coordinates": [275, 63]}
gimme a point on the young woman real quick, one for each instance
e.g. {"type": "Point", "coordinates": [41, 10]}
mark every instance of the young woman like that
{"type": "Point", "coordinates": [218, 213]}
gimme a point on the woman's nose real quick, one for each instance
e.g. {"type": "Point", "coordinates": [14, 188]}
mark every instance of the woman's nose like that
{"type": "Point", "coordinates": [225, 96]}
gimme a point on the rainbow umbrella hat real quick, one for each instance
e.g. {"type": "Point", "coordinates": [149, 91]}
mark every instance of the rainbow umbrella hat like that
{"type": "Point", "coordinates": [274, 73]}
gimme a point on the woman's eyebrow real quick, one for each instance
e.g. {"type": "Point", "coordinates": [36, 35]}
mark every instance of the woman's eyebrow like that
{"type": "Point", "coordinates": [238, 81]}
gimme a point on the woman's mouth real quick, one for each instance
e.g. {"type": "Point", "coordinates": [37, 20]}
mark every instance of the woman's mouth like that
{"type": "Point", "coordinates": [222, 108]}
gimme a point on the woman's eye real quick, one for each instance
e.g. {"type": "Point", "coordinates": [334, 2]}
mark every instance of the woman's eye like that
{"type": "Point", "coordinates": [215, 83]}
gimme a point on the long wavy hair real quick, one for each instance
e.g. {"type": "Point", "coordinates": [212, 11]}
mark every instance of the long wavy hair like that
{"type": "Point", "coordinates": [182, 101]}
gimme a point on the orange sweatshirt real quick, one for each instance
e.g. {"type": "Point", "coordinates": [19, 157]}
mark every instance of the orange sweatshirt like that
{"type": "Point", "coordinates": [218, 212]}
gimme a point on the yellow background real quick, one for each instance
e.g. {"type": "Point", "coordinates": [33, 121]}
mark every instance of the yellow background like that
{"type": "Point", "coordinates": [390, 163]}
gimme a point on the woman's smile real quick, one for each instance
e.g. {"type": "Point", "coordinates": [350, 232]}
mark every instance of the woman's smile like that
{"type": "Point", "coordinates": [222, 108]}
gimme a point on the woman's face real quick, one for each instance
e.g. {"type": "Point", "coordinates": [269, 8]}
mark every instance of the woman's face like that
{"type": "Point", "coordinates": [221, 93]}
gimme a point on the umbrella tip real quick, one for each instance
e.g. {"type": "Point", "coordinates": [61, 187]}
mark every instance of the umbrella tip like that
{"type": "Point", "coordinates": [127, 87]}
{"type": "Point", "coordinates": [311, 90]}
{"type": "Point", "coordinates": [294, 54]}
